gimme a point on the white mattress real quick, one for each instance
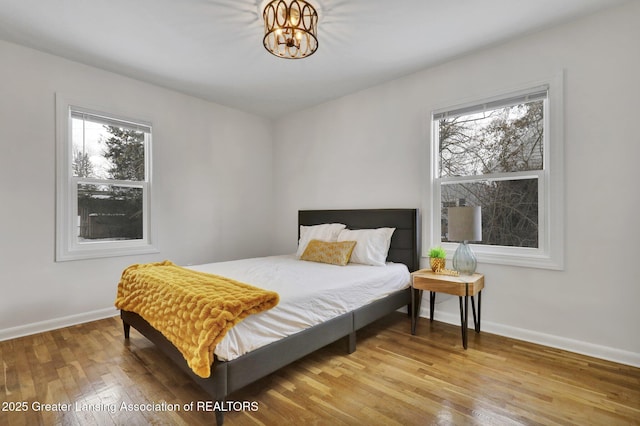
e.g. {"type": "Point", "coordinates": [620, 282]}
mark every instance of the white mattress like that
{"type": "Point", "coordinates": [310, 293]}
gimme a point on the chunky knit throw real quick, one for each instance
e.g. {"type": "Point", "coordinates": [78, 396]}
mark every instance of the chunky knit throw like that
{"type": "Point", "coordinates": [193, 310]}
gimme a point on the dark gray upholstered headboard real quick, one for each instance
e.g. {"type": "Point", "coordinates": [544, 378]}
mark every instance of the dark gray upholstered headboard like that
{"type": "Point", "coordinates": [404, 242]}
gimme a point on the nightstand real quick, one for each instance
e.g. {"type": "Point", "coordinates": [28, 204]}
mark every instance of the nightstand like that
{"type": "Point", "coordinates": [463, 286]}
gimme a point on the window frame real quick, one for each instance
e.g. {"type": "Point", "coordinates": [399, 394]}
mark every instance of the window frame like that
{"type": "Point", "coordinates": [550, 251]}
{"type": "Point", "coordinates": [67, 245]}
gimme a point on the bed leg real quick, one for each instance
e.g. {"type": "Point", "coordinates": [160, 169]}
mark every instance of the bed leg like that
{"type": "Point", "coordinates": [351, 342]}
{"type": "Point", "coordinates": [127, 329]}
{"type": "Point", "coordinates": [219, 418]}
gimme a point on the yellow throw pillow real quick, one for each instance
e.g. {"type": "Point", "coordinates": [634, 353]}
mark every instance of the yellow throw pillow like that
{"type": "Point", "coordinates": [335, 253]}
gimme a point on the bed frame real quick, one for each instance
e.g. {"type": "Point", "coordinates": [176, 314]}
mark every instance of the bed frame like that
{"type": "Point", "coordinates": [229, 376]}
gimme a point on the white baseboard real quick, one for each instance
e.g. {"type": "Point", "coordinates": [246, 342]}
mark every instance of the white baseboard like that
{"type": "Point", "coordinates": [571, 345]}
{"type": "Point", "coordinates": [584, 348]}
{"type": "Point", "coordinates": [42, 326]}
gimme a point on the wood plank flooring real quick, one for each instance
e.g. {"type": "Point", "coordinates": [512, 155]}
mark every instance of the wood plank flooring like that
{"type": "Point", "coordinates": [91, 376]}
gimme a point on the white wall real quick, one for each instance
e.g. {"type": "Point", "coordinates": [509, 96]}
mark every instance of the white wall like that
{"type": "Point", "coordinates": [212, 171]}
{"type": "Point", "coordinates": [369, 150]}
{"type": "Point", "coordinates": [217, 191]}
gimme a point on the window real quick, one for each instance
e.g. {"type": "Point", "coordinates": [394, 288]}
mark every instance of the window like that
{"type": "Point", "coordinates": [103, 184]}
{"type": "Point", "coordinates": [505, 155]}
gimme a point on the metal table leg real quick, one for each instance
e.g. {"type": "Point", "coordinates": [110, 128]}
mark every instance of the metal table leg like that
{"type": "Point", "coordinates": [432, 304]}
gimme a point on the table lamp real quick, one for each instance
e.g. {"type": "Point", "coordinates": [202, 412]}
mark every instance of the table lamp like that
{"type": "Point", "coordinates": [465, 224]}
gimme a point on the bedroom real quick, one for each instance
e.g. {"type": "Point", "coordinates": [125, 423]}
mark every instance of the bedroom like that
{"type": "Point", "coordinates": [583, 308]}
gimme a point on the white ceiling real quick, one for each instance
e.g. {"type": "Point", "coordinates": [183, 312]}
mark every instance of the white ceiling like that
{"type": "Point", "coordinates": [213, 48]}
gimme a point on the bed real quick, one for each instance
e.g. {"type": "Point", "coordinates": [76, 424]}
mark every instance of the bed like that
{"type": "Point", "coordinates": [231, 375]}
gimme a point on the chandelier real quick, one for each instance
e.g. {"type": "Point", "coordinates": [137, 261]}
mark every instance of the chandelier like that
{"type": "Point", "coordinates": [290, 28]}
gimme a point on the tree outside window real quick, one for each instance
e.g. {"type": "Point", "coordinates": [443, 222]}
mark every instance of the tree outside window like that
{"type": "Point", "coordinates": [112, 210]}
{"type": "Point", "coordinates": [493, 154]}
{"type": "Point", "coordinates": [485, 159]}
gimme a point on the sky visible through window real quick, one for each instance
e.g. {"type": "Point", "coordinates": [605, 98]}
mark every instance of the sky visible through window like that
{"type": "Point", "coordinates": [88, 137]}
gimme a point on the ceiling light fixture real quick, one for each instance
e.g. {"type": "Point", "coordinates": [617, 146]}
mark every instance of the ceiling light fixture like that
{"type": "Point", "coordinates": [290, 28]}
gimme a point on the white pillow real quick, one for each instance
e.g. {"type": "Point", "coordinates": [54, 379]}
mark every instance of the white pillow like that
{"type": "Point", "coordinates": [372, 245]}
{"type": "Point", "coordinates": [325, 232]}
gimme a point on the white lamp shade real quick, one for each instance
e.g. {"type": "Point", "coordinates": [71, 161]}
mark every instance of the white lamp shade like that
{"type": "Point", "coordinates": [465, 224]}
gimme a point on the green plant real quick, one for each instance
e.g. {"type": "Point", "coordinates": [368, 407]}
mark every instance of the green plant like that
{"type": "Point", "coordinates": [437, 253]}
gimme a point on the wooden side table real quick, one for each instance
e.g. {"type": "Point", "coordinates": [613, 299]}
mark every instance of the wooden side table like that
{"type": "Point", "coordinates": [464, 286]}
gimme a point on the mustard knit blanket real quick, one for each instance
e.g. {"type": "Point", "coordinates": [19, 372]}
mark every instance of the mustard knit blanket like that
{"type": "Point", "coordinates": [193, 310]}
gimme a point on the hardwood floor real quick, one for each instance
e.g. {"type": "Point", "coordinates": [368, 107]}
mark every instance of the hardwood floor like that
{"type": "Point", "coordinates": [393, 378]}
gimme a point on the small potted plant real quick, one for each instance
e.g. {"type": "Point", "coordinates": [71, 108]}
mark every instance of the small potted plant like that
{"type": "Point", "coordinates": [437, 259]}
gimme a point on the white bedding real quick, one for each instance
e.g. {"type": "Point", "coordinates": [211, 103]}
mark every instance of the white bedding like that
{"type": "Point", "coordinates": [310, 293]}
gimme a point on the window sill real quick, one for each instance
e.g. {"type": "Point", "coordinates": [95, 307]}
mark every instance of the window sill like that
{"type": "Point", "coordinates": [101, 252]}
{"type": "Point", "coordinates": [509, 256]}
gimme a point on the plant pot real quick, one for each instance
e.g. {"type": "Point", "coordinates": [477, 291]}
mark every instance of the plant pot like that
{"type": "Point", "coordinates": [437, 263]}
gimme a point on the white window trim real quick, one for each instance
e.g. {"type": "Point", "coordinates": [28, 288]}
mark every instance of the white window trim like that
{"type": "Point", "coordinates": [550, 253]}
{"type": "Point", "coordinates": [67, 247]}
